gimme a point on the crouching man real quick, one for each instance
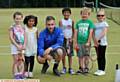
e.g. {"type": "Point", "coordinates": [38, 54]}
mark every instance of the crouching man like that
{"type": "Point", "coordinates": [50, 45]}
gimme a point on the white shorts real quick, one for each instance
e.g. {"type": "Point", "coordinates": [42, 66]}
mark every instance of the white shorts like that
{"type": "Point", "coordinates": [14, 50]}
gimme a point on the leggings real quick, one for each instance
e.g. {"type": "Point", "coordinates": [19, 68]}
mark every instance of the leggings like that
{"type": "Point", "coordinates": [29, 63]}
{"type": "Point", "coordinates": [100, 50]}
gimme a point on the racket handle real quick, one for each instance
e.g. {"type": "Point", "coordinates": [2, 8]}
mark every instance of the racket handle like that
{"type": "Point", "coordinates": [99, 41]}
{"type": "Point", "coordinates": [117, 67]}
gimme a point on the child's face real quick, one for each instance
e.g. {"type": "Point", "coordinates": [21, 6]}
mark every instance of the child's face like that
{"type": "Point", "coordinates": [50, 25]}
{"type": "Point", "coordinates": [84, 15]}
{"type": "Point", "coordinates": [101, 16]}
{"type": "Point", "coordinates": [18, 19]}
{"type": "Point", "coordinates": [66, 14]}
{"type": "Point", "coordinates": [31, 22]}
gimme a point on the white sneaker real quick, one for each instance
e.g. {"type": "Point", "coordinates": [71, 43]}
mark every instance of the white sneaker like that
{"type": "Point", "coordinates": [96, 72]}
{"type": "Point", "coordinates": [26, 74]}
{"type": "Point", "coordinates": [30, 74]}
{"type": "Point", "coordinates": [99, 73]}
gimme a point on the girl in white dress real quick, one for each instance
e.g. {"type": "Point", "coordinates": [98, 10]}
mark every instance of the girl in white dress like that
{"type": "Point", "coordinates": [30, 22]}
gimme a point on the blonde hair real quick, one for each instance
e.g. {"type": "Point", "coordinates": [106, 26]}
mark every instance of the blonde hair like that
{"type": "Point", "coordinates": [101, 11]}
{"type": "Point", "coordinates": [85, 10]}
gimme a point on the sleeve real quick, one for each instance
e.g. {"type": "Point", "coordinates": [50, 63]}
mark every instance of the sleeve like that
{"type": "Point", "coordinates": [106, 24]}
{"type": "Point", "coordinates": [41, 44]}
{"type": "Point", "coordinates": [76, 26]}
{"type": "Point", "coordinates": [92, 26]}
{"type": "Point", "coordinates": [60, 39]}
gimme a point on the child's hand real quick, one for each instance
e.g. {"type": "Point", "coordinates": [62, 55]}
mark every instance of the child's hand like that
{"type": "Point", "coordinates": [23, 47]}
{"type": "Point", "coordinates": [77, 47]}
{"type": "Point", "coordinates": [20, 47]}
{"type": "Point", "coordinates": [87, 44]}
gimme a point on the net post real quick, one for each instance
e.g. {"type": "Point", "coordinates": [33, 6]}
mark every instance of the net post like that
{"type": "Point", "coordinates": [96, 5]}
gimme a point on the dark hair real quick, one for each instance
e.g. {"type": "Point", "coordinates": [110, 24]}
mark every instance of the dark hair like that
{"type": "Point", "coordinates": [48, 18]}
{"type": "Point", "coordinates": [30, 17]}
{"type": "Point", "coordinates": [66, 9]}
{"type": "Point", "coordinates": [17, 13]}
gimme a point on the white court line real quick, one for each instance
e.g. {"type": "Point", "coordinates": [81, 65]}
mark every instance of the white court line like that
{"type": "Point", "coordinates": [6, 46]}
{"type": "Point", "coordinates": [9, 53]}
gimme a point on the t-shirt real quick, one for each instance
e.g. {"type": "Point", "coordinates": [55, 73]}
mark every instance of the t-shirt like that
{"type": "Point", "coordinates": [99, 27]}
{"type": "Point", "coordinates": [67, 28]}
{"type": "Point", "coordinates": [18, 33]}
{"type": "Point", "coordinates": [31, 41]}
{"type": "Point", "coordinates": [83, 28]}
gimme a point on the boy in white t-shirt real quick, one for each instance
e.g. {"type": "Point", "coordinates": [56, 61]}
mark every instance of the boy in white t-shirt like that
{"type": "Point", "coordinates": [67, 26]}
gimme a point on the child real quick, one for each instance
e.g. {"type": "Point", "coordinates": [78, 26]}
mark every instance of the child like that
{"type": "Point", "coordinates": [83, 35]}
{"type": "Point", "coordinates": [67, 25]}
{"type": "Point", "coordinates": [100, 41]}
{"type": "Point", "coordinates": [30, 22]}
{"type": "Point", "coordinates": [18, 44]}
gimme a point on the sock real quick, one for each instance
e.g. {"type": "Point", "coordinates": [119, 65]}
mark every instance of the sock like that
{"type": "Point", "coordinates": [55, 66]}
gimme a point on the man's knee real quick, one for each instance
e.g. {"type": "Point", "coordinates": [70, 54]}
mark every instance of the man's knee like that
{"type": "Point", "coordinates": [40, 60]}
{"type": "Point", "coordinates": [60, 51]}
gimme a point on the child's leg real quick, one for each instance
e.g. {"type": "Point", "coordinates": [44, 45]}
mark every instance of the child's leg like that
{"type": "Point", "coordinates": [83, 62]}
{"type": "Point", "coordinates": [86, 61]}
{"type": "Point", "coordinates": [101, 57]}
{"type": "Point", "coordinates": [14, 67]}
{"type": "Point", "coordinates": [31, 63]}
{"type": "Point", "coordinates": [64, 61]}
{"type": "Point", "coordinates": [70, 61]}
{"type": "Point", "coordinates": [21, 63]}
{"type": "Point", "coordinates": [27, 59]}
{"type": "Point", "coordinates": [21, 66]}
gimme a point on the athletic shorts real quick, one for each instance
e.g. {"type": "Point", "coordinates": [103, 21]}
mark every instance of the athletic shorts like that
{"type": "Point", "coordinates": [83, 50]}
{"type": "Point", "coordinates": [68, 47]}
{"type": "Point", "coordinates": [14, 50]}
{"type": "Point", "coordinates": [54, 53]}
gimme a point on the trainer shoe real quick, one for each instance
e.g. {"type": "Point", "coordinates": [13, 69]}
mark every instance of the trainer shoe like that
{"type": "Point", "coordinates": [22, 76]}
{"type": "Point", "coordinates": [30, 74]}
{"type": "Point", "coordinates": [71, 71]}
{"type": "Point", "coordinates": [26, 74]}
{"type": "Point", "coordinates": [63, 70]}
{"type": "Point", "coordinates": [45, 67]}
{"type": "Point", "coordinates": [86, 70]}
{"type": "Point", "coordinates": [56, 72]}
{"type": "Point", "coordinates": [99, 73]}
{"type": "Point", "coordinates": [17, 76]}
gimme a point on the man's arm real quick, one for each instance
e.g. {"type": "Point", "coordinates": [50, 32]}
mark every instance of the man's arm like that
{"type": "Point", "coordinates": [60, 39]}
{"type": "Point", "coordinates": [41, 44]}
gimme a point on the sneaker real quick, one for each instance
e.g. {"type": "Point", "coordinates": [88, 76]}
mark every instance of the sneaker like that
{"type": "Point", "coordinates": [99, 73]}
{"type": "Point", "coordinates": [17, 76]}
{"type": "Point", "coordinates": [86, 70]}
{"type": "Point", "coordinates": [45, 67]}
{"type": "Point", "coordinates": [96, 72]}
{"type": "Point", "coordinates": [30, 74]}
{"type": "Point", "coordinates": [26, 74]}
{"type": "Point", "coordinates": [22, 76]}
{"type": "Point", "coordinates": [71, 71]}
{"type": "Point", "coordinates": [63, 70]}
{"type": "Point", "coordinates": [56, 72]}
{"type": "Point", "coordinates": [78, 72]}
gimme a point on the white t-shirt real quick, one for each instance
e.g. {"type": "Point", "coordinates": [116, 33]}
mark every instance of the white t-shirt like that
{"type": "Point", "coordinates": [31, 41]}
{"type": "Point", "coordinates": [67, 28]}
{"type": "Point", "coordinates": [99, 27]}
